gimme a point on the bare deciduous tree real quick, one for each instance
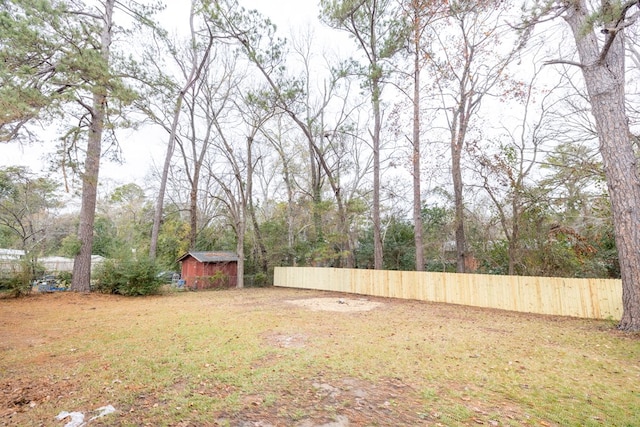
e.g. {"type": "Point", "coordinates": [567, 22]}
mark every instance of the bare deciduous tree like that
{"type": "Point", "coordinates": [467, 66]}
{"type": "Point", "coordinates": [199, 57]}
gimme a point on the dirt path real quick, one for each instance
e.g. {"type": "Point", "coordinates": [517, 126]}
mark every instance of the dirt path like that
{"type": "Point", "coordinates": [338, 304]}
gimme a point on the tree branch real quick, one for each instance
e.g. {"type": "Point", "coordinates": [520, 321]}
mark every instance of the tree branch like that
{"type": "Point", "coordinates": [620, 24]}
{"type": "Point", "coordinates": [562, 61]}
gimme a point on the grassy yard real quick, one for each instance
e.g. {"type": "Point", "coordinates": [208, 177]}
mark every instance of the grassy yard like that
{"type": "Point", "coordinates": [253, 358]}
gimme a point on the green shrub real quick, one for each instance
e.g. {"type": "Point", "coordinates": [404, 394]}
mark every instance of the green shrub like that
{"type": "Point", "coordinates": [70, 246]}
{"type": "Point", "coordinates": [127, 276]}
{"type": "Point", "coordinates": [18, 282]}
{"type": "Point", "coordinates": [259, 280]}
{"type": "Point", "coordinates": [64, 277]}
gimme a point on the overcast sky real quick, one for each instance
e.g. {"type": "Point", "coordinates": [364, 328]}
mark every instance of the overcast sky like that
{"type": "Point", "coordinates": [141, 149]}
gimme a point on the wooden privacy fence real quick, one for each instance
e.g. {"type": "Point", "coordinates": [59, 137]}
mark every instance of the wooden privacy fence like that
{"type": "Point", "coordinates": [588, 298]}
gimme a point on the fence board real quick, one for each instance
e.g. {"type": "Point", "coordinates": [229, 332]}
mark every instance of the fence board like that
{"type": "Point", "coordinates": [587, 298]}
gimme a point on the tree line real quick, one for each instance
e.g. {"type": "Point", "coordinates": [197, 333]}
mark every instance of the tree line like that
{"type": "Point", "coordinates": [452, 136]}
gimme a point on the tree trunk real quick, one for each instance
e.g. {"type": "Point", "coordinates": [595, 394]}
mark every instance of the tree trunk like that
{"type": "Point", "coordinates": [193, 205]}
{"type": "Point", "coordinates": [262, 255]}
{"type": "Point", "coordinates": [291, 254]}
{"type": "Point", "coordinates": [461, 243]}
{"type": "Point", "coordinates": [459, 128]}
{"type": "Point", "coordinates": [241, 225]}
{"type": "Point", "coordinates": [81, 281]}
{"type": "Point", "coordinates": [157, 217]}
{"type": "Point", "coordinates": [513, 238]}
{"type": "Point", "coordinates": [316, 190]}
{"type": "Point", "coordinates": [82, 265]}
{"type": "Point", "coordinates": [605, 82]}
{"type": "Point", "coordinates": [377, 228]}
{"type": "Point", "coordinates": [417, 196]}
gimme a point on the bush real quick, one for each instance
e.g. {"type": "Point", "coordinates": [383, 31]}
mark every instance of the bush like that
{"type": "Point", "coordinates": [18, 282]}
{"type": "Point", "coordinates": [70, 246]}
{"type": "Point", "coordinates": [258, 280]}
{"type": "Point", "coordinates": [127, 276]}
{"type": "Point", "coordinates": [64, 278]}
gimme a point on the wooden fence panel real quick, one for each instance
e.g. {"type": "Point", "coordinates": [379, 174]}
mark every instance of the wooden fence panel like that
{"type": "Point", "coordinates": [588, 298]}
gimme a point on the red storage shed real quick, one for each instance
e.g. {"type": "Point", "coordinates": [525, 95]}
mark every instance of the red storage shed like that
{"type": "Point", "coordinates": [207, 270]}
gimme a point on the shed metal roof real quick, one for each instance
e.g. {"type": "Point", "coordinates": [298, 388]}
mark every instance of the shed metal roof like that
{"type": "Point", "coordinates": [211, 256]}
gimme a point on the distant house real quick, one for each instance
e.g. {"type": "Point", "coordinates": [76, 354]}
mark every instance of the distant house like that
{"type": "Point", "coordinates": [207, 270]}
{"type": "Point", "coordinates": [11, 254]}
{"type": "Point", "coordinates": [58, 264]}
{"type": "Point", "coordinates": [9, 258]}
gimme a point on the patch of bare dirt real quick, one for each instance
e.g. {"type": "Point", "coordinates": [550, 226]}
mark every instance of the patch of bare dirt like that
{"type": "Point", "coordinates": [286, 340]}
{"type": "Point", "coordinates": [320, 402]}
{"type": "Point", "coordinates": [345, 305]}
{"type": "Point", "coordinates": [18, 395]}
